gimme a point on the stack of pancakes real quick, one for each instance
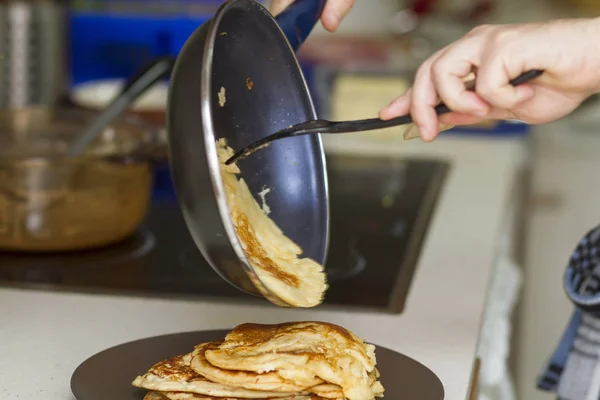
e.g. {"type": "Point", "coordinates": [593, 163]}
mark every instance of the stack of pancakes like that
{"type": "Point", "coordinates": [293, 361]}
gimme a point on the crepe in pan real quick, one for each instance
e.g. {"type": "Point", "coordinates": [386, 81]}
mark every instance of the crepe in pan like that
{"type": "Point", "coordinates": [275, 258]}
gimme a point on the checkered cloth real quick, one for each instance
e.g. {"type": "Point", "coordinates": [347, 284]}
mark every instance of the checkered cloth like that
{"type": "Point", "coordinates": [573, 371]}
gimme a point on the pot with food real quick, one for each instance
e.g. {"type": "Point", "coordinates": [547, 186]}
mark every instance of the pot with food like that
{"type": "Point", "coordinates": [52, 202]}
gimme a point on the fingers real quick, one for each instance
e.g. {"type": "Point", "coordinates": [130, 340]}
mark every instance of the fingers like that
{"type": "Point", "coordinates": [334, 12]}
{"type": "Point", "coordinates": [493, 82]}
{"type": "Point", "coordinates": [423, 97]}
{"type": "Point", "coordinates": [497, 58]}
{"type": "Point", "coordinates": [503, 58]}
{"type": "Point", "coordinates": [278, 6]}
{"type": "Point", "coordinates": [423, 100]}
{"type": "Point", "coordinates": [399, 106]}
{"type": "Point", "coordinates": [419, 101]}
{"type": "Point", "coordinates": [449, 72]}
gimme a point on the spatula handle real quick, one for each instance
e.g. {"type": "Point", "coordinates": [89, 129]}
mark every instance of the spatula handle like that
{"type": "Point", "coordinates": [440, 109]}
{"type": "Point", "coordinates": [362, 125]}
{"type": "Point", "coordinates": [519, 80]}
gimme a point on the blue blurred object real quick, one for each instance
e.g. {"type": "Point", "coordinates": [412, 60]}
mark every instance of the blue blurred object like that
{"type": "Point", "coordinates": [297, 22]}
{"type": "Point", "coordinates": [109, 46]}
{"type": "Point", "coordinates": [112, 39]}
{"type": "Point", "coordinates": [299, 19]}
{"type": "Point", "coordinates": [163, 190]}
{"type": "Point", "coordinates": [107, 42]}
{"type": "Point", "coordinates": [501, 129]}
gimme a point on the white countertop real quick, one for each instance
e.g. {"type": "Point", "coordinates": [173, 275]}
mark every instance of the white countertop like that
{"type": "Point", "coordinates": [44, 335]}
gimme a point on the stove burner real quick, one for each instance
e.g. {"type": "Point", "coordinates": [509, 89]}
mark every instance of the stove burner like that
{"type": "Point", "coordinates": [136, 246]}
{"type": "Point", "coordinates": [380, 210]}
{"type": "Point", "coordinates": [191, 259]}
{"type": "Point", "coordinates": [355, 266]}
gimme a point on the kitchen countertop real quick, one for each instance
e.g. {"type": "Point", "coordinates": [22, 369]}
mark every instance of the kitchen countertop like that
{"type": "Point", "coordinates": [45, 335]}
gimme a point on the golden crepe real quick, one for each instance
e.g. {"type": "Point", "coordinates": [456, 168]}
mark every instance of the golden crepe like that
{"type": "Point", "coordinates": [300, 282]}
{"type": "Point", "coordinates": [194, 396]}
{"type": "Point", "coordinates": [299, 351]}
{"type": "Point", "coordinates": [328, 391]}
{"type": "Point", "coordinates": [176, 375]}
{"type": "Point", "coordinates": [270, 381]}
{"type": "Point", "coordinates": [266, 381]}
{"type": "Point", "coordinates": [331, 391]}
{"type": "Point", "coordinates": [292, 361]}
{"type": "Point", "coordinates": [155, 396]}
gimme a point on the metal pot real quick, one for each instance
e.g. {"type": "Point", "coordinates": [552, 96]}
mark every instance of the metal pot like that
{"type": "Point", "coordinates": [33, 49]}
{"type": "Point", "coordinates": [50, 202]}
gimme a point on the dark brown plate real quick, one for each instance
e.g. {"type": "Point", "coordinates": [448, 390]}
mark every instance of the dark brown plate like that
{"type": "Point", "coordinates": [108, 374]}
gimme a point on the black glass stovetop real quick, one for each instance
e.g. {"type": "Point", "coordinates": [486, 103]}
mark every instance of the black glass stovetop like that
{"type": "Point", "coordinates": [380, 212]}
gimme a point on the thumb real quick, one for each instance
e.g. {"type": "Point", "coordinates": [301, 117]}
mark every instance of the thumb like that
{"type": "Point", "coordinates": [278, 6]}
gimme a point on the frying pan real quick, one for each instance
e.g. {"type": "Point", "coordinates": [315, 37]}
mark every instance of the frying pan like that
{"type": "Point", "coordinates": [250, 54]}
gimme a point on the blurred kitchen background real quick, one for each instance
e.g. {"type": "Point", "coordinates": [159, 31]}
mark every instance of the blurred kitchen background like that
{"type": "Point", "coordinates": [78, 53]}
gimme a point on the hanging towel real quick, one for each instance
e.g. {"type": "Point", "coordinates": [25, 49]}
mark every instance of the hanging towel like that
{"type": "Point", "coordinates": [573, 371]}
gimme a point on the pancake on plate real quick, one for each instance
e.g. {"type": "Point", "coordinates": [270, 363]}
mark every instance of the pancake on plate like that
{"type": "Point", "coordinates": [302, 350]}
{"type": "Point", "coordinates": [291, 361]}
{"type": "Point", "coordinates": [194, 396]}
{"type": "Point", "coordinates": [270, 381]}
{"type": "Point", "coordinates": [176, 375]}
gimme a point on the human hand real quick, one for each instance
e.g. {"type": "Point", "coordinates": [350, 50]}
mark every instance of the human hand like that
{"type": "Point", "coordinates": [333, 13]}
{"type": "Point", "coordinates": [567, 51]}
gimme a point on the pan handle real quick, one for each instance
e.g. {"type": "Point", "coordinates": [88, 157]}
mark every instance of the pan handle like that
{"type": "Point", "coordinates": [299, 19]}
